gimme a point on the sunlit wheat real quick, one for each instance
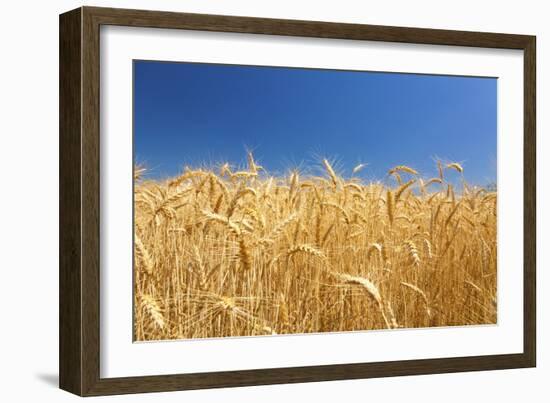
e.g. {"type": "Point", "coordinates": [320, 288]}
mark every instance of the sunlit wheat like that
{"type": "Point", "coordinates": [238, 252]}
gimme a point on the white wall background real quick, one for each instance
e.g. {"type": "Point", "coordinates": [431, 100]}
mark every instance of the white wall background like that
{"type": "Point", "coordinates": [29, 197]}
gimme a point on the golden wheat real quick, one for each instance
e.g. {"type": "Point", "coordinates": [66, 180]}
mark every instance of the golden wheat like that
{"type": "Point", "coordinates": [239, 253]}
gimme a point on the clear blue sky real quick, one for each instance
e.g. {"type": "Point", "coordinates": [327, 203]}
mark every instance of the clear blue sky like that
{"type": "Point", "coordinates": [196, 114]}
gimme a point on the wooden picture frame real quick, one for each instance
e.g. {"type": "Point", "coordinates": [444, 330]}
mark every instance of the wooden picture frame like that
{"type": "Point", "coordinates": [79, 348]}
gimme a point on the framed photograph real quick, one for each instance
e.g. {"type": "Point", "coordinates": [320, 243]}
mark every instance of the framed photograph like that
{"type": "Point", "coordinates": [249, 201]}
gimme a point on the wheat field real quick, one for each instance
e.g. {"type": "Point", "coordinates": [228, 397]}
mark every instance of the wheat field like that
{"type": "Point", "coordinates": [221, 252]}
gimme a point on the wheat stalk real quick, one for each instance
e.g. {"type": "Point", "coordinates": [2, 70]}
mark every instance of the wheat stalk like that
{"type": "Point", "coordinates": [330, 172]}
{"type": "Point", "coordinates": [422, 294]}
{"type": "Point", "coordinates": [143, 254]}
{"type": "Point", "coordinates": [150, 305]}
